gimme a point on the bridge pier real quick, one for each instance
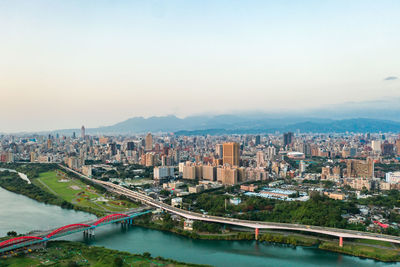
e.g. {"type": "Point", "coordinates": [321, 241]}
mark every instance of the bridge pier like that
{"type": "Point", "coordinates": [88, 233]}
{"type": "Point", "coordinates": [256, 232]}
{"type": "Point", "coordinates": [340, 241]}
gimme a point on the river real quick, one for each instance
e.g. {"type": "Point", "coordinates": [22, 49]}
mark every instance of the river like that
{"type": "Point", "coordinates": [22, 214]}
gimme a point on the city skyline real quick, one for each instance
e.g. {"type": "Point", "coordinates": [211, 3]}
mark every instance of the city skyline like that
{"type": "Point", "coordinates": [70, 63]}
{"type": "Point", "coordinates": [214, 132]}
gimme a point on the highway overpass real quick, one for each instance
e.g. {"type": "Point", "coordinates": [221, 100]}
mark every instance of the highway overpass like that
{"type": "Point", "coordinates": [340, 233]}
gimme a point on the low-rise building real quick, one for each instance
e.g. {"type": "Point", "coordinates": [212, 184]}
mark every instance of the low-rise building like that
{"type": "Point", "coordinates": [335, 195]}
{"type": "Point", "coordinates": [196, 189]}
{"type": "Point", "coordinates": [176, 202]}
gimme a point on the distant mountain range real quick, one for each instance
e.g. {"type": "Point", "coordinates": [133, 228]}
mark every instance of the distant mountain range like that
{"type": "Point", "coordinates": [234, 124]}
{"type": "Point", "coordinates": [360, 117]}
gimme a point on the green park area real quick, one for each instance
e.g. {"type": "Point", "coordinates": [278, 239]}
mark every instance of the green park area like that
{"type": "Point", "coordinates": [63, 253]}
{"type": "Point", "coordinates": [78, 193]}
{"type": "Point", "coordinates": [381, 253]}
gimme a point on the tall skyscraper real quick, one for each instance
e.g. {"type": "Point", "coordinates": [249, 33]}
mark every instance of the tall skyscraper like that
{"type": "Point", "coordinates": [258, 140]}
{"type": "Point", "coordinates": [360, 169]}
{"type": "Point", "coordinates": [287, 138]}
{"type": "Point", "coordinates": [149, 142]}
{"type": "Point", "coordinates": [260, 158]}
{"type": "Point", "coordinates": [398, 146]}
{"type": "Point", "coordinates": [376, 146]}
{"type": "Point", "coordinates": [113, 148]}
{"type": "Point", "coordinates": [231, 154]}
{"type": "Point", "coordinates": [219, 150]}
{"type": "Point", "coordinates": [83, 132]}
{"type": "Point", "coordinates": [130, 145]}
{"type": "Point", "coordinates": [271, 152]}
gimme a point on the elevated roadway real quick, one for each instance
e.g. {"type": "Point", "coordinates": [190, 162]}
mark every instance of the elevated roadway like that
{"type": "Point", "coordinates": [340, 233]}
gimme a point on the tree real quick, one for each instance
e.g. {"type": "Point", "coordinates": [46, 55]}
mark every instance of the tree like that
{"type": "Point", "coordinates": [11, 233]}
{"type": "Point", "coordinates": [146, 254]}
{"type": "Point", "coordinates": [164, 192]}
{"type": "Point", "coordinates": [73, 264]}
{"type": "Point", "coordinates": [118, 262]}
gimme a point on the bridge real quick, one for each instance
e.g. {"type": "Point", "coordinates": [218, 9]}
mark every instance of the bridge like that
{"type": "Point", "coordinates": [256, 225]}
{"type": "Point", "coordinates": [87, 228]}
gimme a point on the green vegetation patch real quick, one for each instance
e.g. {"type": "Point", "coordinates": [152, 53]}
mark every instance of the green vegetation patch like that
{"type": "Point", "coordinates": [363, 251]}
{"type": "Point", "coordinates": [374, 242]}
{"type": "Point", "coordinates": [78, 193]}
{"type": "Point", "coordinates": [66, 254]}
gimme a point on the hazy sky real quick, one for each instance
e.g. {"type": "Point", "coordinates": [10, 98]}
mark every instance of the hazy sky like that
{"type": "Point", "coordinates": [68, 63]}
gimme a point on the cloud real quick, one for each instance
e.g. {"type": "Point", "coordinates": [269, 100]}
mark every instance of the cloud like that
{"type": "Point", "coordinates": [390, 78]}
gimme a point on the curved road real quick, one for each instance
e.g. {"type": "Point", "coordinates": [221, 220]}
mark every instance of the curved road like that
{"type": "Point", "coordinates": [341, 233]}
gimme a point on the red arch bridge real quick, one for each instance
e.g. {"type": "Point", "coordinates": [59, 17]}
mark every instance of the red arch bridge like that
{"type": "Point", "coordinates": [87, 228]}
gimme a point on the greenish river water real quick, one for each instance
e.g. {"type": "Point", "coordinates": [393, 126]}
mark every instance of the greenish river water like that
{"type": "Point", "coordinates": [22, 214]}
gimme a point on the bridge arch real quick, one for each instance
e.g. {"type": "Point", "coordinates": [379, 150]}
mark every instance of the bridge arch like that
{"type": "Point", "coordinates": [110, 218]}
{"type": "Point", "coordinates": [19, 241]}
{"type": "Point", "coordinates": [67, 228]}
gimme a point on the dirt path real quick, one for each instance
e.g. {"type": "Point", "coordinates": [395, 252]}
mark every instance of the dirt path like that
{"type": "Point", "coordinates": [45, 185]}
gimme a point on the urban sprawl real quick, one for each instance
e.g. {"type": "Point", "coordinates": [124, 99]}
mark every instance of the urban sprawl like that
{"type": "Point", "coordinates": [281, 166]}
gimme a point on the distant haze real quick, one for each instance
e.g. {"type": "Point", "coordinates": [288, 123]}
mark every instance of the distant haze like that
{"type": "Point", "coordinates": [68, 63]}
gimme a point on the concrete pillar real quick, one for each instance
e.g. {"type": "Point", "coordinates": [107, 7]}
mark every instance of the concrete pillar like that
{"type": "Point", "coordinates": [340, 241]}
{"type": "Point", "coordinates": [256, 233]}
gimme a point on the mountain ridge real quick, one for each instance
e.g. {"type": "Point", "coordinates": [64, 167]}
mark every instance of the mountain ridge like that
{"type": "Point", "coordinates": [233, 124]}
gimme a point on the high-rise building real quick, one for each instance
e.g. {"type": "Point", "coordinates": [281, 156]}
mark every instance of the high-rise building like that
{"type": "Point", "coordinates": [112, 148]}
{"type": "Point", "coordinates": [209, 172]}
{"type": "Point", "coordinates": [287, 138]}
{"type": "Point", "coordinates": [219, 150]}
{"type": "Point", "coordinates": [260, 158]}
{"type": "Point", "coordinates": [130, 145]}
{"type": "Point", "coordinates": [231, 154]}
{"type": "Point", "coordinates": [258, 140]}
{"type": "Point", "coordinates": [227, 175]}
{"type": "Point", "coordinates": [398, 146]}
{"type": "Point", "coordinates": [302, 166]}
{"type": "Point", "coordinates": [149, 142]}
{"type": "Point", "coordinates": [149, 159]}
{"type": "Point", "coordinates": [271, 152]}
{"type": "Point", "coordinates": [387, 149]}
{"type": "Point", "coordinates": [376, 145]}
{"type": "Point", "coordinates": [360, 169]}
{"type": "Point", "coordinates": [163, 172]}
{"type": "Point", "coordinates": [83, 132]}
{"type": "Point", "coordinates": [49, 144]}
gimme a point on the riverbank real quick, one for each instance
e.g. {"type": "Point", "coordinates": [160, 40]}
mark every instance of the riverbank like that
{"type": "Point", "coordinates": [53, 186]}
{"type": "Point", "coordinates": [291, 239]}
{"type": "Point", "coordinates": [67, 253]}
{"type": "Point", "coordinates": [12, 183]}
{"type": "Point", "coordinates": [362, 250]}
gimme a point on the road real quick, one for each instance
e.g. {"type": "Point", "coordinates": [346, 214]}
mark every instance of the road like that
{"type": "Point", "coordinates": [341, 233]}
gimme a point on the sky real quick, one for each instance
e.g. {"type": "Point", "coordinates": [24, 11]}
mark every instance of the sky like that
{"type": "Point", "coordinates": [69, 63]}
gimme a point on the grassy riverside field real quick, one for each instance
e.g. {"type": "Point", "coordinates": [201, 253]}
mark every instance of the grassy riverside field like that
{"type": "Point", "coordinates": [78, 193]}
{"type": "Point", "coordinates": [382, 254]}
{"type": "Point", "coordinates": [66, 254]}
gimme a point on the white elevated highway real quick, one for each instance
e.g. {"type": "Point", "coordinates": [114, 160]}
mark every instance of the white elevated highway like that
{"type": "Point", "coordinates": [341, 233]}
